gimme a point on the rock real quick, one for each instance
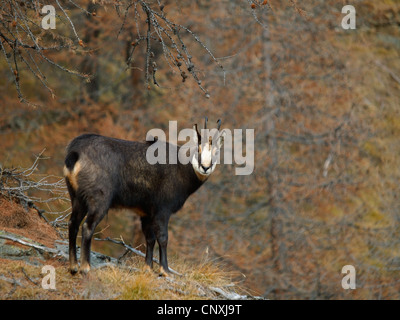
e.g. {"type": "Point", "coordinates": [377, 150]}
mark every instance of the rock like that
{"type": "Point", "coordinates": [14, 250]}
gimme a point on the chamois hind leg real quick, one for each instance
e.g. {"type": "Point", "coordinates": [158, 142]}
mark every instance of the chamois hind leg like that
{"type": "Point", "coordinates": [93, 219]}
{"type": "Point", "coordinates": [160, 227]}
{"type": "Point", "coordinates": [150, 240]}
{"type": "Point", "coordinates": [77, 215]}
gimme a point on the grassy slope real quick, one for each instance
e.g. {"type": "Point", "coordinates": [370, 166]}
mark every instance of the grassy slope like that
{"type": "Point", "coordinates": [19, 280]}
{"type": "Point", "coordinates": [22, 279]}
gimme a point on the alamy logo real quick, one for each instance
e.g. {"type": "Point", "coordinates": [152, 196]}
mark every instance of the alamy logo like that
{"type": "Point", "coordinates": [49, 280]}
{"type": "Point", "coordinates": [349, 20]}
{"type": "Point", "coordinates": [49, 20]}
{"type": "Point", "coordinates": [349, 280]}
{"type": "Point", "coordinates": [233, 146]}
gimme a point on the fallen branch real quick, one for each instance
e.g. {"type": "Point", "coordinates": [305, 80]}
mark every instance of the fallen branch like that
{"type": "Point", "coordinates": [12, 281]}
{"type": "Point", "coordinates": [228, 295]}
{"type": "Point", "coordinates": [41, 248]}
{"type": "Point", "coordinates": [233, 295]}
{"type": "Point", "coordinates": [121, 242]}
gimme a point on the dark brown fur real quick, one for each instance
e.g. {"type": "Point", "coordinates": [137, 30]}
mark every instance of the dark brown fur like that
{"type": "Point", "coordinates": [115, 173]}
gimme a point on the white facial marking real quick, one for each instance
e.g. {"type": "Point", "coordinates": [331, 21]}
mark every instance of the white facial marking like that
{"type": "Point", "coordinates": [207, 153]}
{"type": "Point", "coordinates": [207, 166]}
{"type": "Point", "coordinates": [206, 156]}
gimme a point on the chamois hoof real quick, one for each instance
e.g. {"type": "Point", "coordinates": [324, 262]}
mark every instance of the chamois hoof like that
{"type": "Point", "coordinates": [73, 269]}
{"type": "Point", "coordinates": [147, 269]}
{"type": "Point", "coordinates": [84, 270]}
{"type": "Point", "coordinates": [164, 272]}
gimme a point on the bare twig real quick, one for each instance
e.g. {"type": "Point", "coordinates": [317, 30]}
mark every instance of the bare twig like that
{"type": "Point", "coordinates": [128, 247]}
{"type": "Point", "coordinates": [28, 278]}
{"type": "Point", "coordinates": [386, 69]}
{"type": "Point", "coordinates": [21, 40]}
{"type": "Point", "coordinates": [21, 185]}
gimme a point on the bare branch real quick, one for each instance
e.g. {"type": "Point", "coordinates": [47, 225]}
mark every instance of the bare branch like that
{"type": "Point", "coordinates": [121, 242]}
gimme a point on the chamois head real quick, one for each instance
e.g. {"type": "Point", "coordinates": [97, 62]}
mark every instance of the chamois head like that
{"type": "Point", "coordinates": [208, 145]}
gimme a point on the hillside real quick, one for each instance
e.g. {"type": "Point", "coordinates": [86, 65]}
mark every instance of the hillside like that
{"type": "Point", "coordinates": [322, 101]}
{"type": "Point", "coordinates": [28, 243]}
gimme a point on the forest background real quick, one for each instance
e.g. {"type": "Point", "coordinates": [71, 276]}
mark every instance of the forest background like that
{"type": "Point", "coordinates": [323, 101]}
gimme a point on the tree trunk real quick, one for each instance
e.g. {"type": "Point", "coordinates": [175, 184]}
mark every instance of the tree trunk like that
{"type": "Point", "coordinates": [276, 228]}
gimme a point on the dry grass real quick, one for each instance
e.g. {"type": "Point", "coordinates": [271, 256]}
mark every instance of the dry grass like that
{"type": "Point", "coordinates": [131, 281]}
{"type": "Point", "coordinates": [26, 222]}
{"type": "Point", "coordinates": [194, 283]}
{"type": "Point", "coordinates": [23, 280]}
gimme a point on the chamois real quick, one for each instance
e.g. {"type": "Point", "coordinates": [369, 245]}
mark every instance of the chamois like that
{"type": "Point", "coordinates": [103, 172]}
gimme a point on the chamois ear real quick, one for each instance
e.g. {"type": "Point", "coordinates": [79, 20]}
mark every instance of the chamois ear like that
{"type": "Point", "coordinates": [196, 135]}
{"type": "Point", "coordinates": [221, 135]}
{"type": "Point", "coordinates": [220, 140]}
